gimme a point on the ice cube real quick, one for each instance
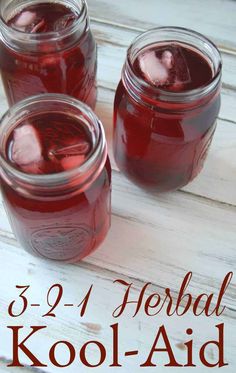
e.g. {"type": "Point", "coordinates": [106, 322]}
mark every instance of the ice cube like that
{"type": "Point", "coordinates": [165, 67]}
{"type": "Point", "coordinates": [26, 18]}
{"type": "Point", "coordinates": [72, 161]}
{"type": "Point", "coordinates": [70, 156]}
{"type": "Point", "coordinates": [167, 59]}
{"type": "Point", "coordinates": [34, 168]}
{"type": "Point", "coordinates": [180, 71]}
{"type": "Point", "coordinates": [80, 148]}
{"type": "Point", "coordinates": [153, 69]}
{"type": "Point", "coordinates": [29, 22]}
{"type": "Point", "coordinates": [26, 147]}
{"type": "Point", "coordinates": [64, 22]}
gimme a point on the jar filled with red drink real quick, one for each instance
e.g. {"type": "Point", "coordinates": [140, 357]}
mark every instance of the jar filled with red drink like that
{"type": "Point", "coordinates": [47, 47]}
{"type": "Point", "coordinates": [166, 107]}
{"type": "Point", "coordinates": [55, 176]}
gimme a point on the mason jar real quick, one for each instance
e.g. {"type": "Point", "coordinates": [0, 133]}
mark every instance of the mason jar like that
{"type": "Point", "coordinates": [56, 185]}
{"type": "Point", "coordinates": [164, 111]}
{"type": "Point", "coordinates": [47, 47]}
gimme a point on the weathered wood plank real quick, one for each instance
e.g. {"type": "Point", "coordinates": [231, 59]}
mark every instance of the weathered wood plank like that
{"type": "Point", "coordinates": [26, 369]}
{"type": "Point", "coordinates": [216, 20]}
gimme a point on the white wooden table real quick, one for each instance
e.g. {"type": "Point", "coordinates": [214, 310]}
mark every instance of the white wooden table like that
{"type": "Point", "coordinates": [152, 239]}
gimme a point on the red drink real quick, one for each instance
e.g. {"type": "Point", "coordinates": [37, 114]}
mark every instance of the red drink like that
{"type": "Point", "coordinates": [48, 144]}
{"type": "Point", "coordinates": [173, 67]}
{"type": "Point", "coordinates": [55, 177]}
{"type": "Point", "coordinates": [166, 107]}
{"type": "Point", "coordinates": [47, 47]}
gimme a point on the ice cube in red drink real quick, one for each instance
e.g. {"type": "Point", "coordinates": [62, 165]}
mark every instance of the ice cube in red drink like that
{"type": "Point", "coordinates": [43, 17]}
{"type": "Point", "coordinates": [50, 144]}
{"type": "Point", "coordinates": [172, 67]}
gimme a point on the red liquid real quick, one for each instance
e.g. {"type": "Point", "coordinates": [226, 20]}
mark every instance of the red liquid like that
{"type": "Point", "coordinates": [66, 226]}
{"type": "Point", "coordinates": [160, 148]}
{"type": "Point", "coordinates": [70, 68]}
{"type": "Point", "coordinates": [48, 144]}
{"type": "Point", "coordinates": [186, 68]}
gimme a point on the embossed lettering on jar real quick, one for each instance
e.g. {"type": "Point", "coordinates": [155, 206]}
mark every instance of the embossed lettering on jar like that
{"type": "Point", "coordinates": [166, 107]}
{"type": "Point", "coordinates": [47, 47]}
{"type": "Point", "coordinates": [55, 177]}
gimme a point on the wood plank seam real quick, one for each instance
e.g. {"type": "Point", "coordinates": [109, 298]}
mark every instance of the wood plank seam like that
{"type": "Point", "coordinates": [6, 361]}
{"type": "Point", "coordinates": [229, 87]}
{"type": "Point", "coordinates": [117, 25]}
{"type": "Point", "coordinates": [207, 199]}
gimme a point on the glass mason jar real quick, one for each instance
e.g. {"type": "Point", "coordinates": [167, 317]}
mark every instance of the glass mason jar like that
{"type": "Point", "coordinates": [63, 61]}
{"type": "Point", "coordinates": [161, 137]}
{"type": "Point", "coordinates": [62, 216]}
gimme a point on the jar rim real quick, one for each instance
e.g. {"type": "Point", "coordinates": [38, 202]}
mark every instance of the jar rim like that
{"type": "Point", "coordinates": [97, 156]}
{"type": "Point", "coordinates": [51, 35]}
{"type": "Point", "coordinates": [162, 94]}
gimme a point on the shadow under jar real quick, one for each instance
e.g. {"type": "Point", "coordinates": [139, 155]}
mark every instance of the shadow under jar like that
{"type": "Point", "coordinates": [166, 107]}
{"type": "Point", "coordinates": [47, 47]}
{"type": "Point", "coordinates": [55, 177]}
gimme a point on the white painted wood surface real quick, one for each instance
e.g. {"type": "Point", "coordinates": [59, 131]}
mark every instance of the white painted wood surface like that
{"type": "Point", "coordinates": [153, 238]}
{"type": "Point", "coordinates": [214, 18]}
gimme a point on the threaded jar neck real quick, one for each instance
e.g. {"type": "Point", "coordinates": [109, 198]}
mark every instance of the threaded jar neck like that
{"type": "Point", "coordinates": [76, 179]}
{"type": "Point", "coordinates": [55, 40]}
{"type": "Point", "coordinates": [150, 95]}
